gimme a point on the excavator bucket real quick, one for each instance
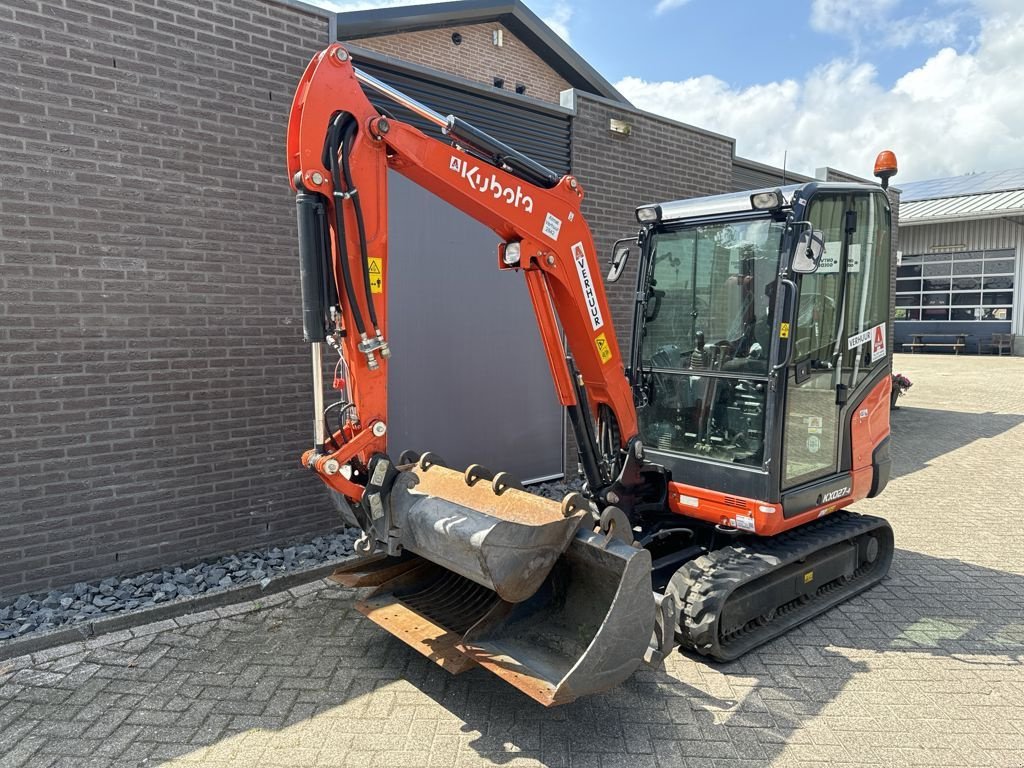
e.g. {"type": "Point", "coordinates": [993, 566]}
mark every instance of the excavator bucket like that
{"type": "Point", "coordinates": [585, 631]}
{"type": "Point", "coordinates": [506, 581]}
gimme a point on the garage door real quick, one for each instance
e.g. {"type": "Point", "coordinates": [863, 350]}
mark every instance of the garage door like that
{"type": "Point", "coordinates": [469, 379]}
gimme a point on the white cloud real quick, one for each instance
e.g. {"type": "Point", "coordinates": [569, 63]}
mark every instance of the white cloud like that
{"type": "Point", "coordinates": [668, 5]}
{"type": "Point", "coordinates": [842, 16]}
{"type": "Point", "coordinates": [873, 24]}
{"type": "Point", "coordinates": [921, 30]}
{"type": "Point", "coordinates": [958, 112]}
{"type": "Point", "coordinates": [558, 19]}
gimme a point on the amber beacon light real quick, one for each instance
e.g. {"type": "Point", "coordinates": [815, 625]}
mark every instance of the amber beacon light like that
{"type": "Point", "coordinates": [885, 167]}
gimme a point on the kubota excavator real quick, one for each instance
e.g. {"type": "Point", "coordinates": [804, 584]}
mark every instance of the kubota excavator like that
{"type": "Point", "coordinates": [717, 461]}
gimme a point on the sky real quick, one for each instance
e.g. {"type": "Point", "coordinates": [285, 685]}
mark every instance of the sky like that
{"type": "Point", "coordinates": [815, 82]}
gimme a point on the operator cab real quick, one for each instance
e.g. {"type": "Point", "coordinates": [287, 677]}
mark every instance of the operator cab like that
{"type": "Point", "coordinates": [761, 322]}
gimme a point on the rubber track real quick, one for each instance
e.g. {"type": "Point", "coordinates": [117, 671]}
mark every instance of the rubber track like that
{"type": "Point", "coordinates": [702, 586]}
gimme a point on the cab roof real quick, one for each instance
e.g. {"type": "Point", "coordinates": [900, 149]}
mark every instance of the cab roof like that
{"type": "Point", "coordinates": [740, 202]}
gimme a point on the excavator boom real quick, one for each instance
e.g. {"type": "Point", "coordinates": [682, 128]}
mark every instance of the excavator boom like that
{"type": "Point", "coordinates": [477, 571]}
{"type": "Point", "coordinates": [340, 149]}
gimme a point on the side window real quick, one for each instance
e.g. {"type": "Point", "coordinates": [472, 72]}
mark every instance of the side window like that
{"type": "Point", "coordinates": [818, 314]}
{"type": "Point", "coordinates": [867, 291]}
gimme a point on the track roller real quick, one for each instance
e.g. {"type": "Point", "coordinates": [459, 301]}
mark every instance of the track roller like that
{"type": "Point", "coordinates": [740, 596]}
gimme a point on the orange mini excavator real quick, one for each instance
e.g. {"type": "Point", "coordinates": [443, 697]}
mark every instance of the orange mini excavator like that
{"type": "Point", "coordinates": [718, 460]}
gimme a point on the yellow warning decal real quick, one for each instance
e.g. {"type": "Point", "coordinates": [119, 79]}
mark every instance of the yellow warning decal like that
{"type": "Point", "coordinates": [783, 330]}
{"type": "Point", "coordinates": [376, 274]}
{"type": "Point", "coordinates": [808, 577]}
{"type": "Point", "coordinates": [603, 349]}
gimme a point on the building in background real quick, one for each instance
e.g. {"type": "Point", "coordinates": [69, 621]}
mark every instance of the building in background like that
{"type": "Point", "coordinates": [157, 392]}
{"type": "Point", "coordinates": [961, 268]}
{"type": "Point", "coordinates": [499, 66]}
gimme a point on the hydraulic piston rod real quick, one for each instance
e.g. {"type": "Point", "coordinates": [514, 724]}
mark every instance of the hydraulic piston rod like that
{"type": "Point", "coordinates": [319, 428]}
{"type": "Point", "coordinates": [400, 98]}
{"type": "Point", "coordinates": [465, 134]}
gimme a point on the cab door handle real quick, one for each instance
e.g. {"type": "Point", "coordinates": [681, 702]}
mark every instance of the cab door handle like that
{"type": "Point", "coordinates": [794, 292]}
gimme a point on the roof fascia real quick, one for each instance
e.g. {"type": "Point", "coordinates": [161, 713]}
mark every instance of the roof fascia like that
{"type": "Point", "coordinates": [513, 14]}
{"type": "Point", "coordinates": [359, 53]}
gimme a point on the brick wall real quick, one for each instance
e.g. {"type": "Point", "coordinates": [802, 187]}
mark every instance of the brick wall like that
{"type": "Point", "coordinates": [476, 58]}
{"type": "Point", "coordinates": [154, 390]}
{"type": "Point", "coordinates": [659, 160]}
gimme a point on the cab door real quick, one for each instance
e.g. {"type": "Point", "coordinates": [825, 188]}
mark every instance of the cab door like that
{"type": "Point", "coordinates": [811, 417]}
{"type": "Point", "coordinates": [840, 334]}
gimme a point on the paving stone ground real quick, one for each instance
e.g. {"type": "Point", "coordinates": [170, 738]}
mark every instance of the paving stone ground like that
{"type": "Point", "coordinates": [925, 669]}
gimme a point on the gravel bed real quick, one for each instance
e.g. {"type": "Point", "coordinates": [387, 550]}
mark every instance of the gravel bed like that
{"type": "Point", "coordinates": [88, 601]}
{"type": "Point", "coordinates": [556, 489]}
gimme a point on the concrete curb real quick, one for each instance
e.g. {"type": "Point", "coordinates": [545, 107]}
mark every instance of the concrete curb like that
{"type": "Point", "coordinates": [85, 630]}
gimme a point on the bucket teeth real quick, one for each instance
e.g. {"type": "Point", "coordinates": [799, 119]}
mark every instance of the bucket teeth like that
{"type": "Point", "coordinates": [407, 457]}
{"type": "Point", "coordinates": [475, 472]}
{"type": "Point", "coordinates": [572, 503]}
{"type": "Point", "coordinates": [428, 460]}
{"type": "Point", "coordinates": [503, 481]}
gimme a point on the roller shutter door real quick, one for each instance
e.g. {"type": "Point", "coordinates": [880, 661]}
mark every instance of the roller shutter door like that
{"type": "Point", "coordinates": [469, 377]}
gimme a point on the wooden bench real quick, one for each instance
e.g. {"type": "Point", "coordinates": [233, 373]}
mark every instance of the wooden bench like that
{"type": "Point", "coordinates": [954, 341]}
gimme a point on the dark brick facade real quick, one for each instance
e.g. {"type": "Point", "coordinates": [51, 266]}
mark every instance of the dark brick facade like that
{"type": "Point", "coordinates": [474, 58]}
{"type": "Point", "coordinates": [659, 160]}
{"type": "Point", "coordinates": [155, 390]}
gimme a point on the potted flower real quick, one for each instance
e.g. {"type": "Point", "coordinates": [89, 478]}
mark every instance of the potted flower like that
{"type": "Point", "coordinates": [900, 385]}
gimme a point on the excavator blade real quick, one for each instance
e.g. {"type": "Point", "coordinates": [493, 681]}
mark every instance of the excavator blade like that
{"type": "Point", "coordinates": [506, 582]}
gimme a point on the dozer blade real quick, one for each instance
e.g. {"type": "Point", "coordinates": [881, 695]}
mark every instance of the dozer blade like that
{"type": "Point", "coordinates": [507, 583]}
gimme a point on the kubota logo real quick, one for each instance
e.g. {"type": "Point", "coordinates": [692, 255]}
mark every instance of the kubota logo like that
{"type": "Point", "coordinates": [491, 185]}
{"type": "Point", "coordinates": [833, 495]}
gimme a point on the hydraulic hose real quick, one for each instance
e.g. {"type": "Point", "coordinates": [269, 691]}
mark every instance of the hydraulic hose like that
{"type": "Point", "coordinates": [333, 146]}
{"type": "Point", "coordinates": [330, 285]}
{"type": "Point", "coordinates": [353, 193]}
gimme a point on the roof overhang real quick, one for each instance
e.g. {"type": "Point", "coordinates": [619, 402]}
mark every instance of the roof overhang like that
{"type": "Point", "coordinates": [947, 219]}
{"type": "Point", "coordinates": [989, 205]}
{"type": "Point", "coordinates": [512, 14]}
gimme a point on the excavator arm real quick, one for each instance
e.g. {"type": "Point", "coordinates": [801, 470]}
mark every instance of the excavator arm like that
{"type": "Point", "coordinates": [340, 148]}
{"type": "Point", "coordinates": [553, 598]}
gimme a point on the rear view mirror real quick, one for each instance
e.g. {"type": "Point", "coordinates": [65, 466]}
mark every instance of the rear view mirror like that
{"type": "Point", "coordinates": [809, 249]}
{"type": "Point", "coordinates": [620, 255]}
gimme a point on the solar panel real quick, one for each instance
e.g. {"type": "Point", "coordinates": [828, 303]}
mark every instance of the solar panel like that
{"type": "Point", "coordinates": [969, 184]}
